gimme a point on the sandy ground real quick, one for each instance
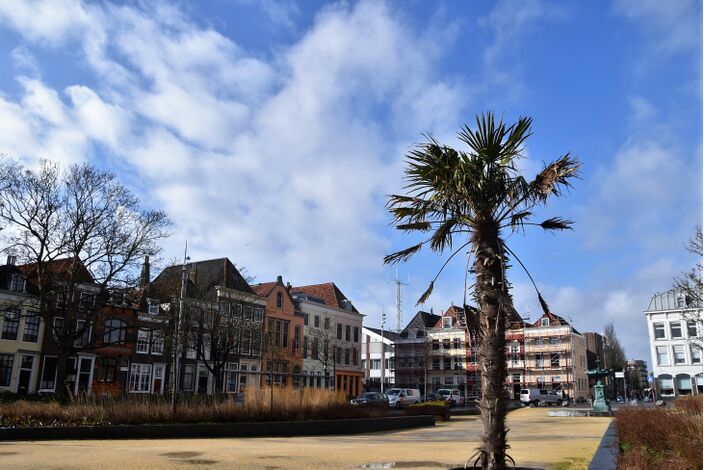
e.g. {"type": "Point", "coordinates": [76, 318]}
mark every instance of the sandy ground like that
{"type": "Point", "coordinates": [536, 439]}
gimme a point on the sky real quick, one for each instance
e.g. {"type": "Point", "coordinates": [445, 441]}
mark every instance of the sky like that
{"type": "Point", "coordinates": [272, 132]}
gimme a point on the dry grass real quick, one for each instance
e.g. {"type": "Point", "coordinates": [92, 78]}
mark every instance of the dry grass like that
{"type": "Point", "coordinates": [305, 404]}
{"type": "Point", "coordinates": [661, 438]}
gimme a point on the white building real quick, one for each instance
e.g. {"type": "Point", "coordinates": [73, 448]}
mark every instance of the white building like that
{"type": "Point", "coordinates": [378, 358]}
{"type": "Point", "coordinates": [675, 344]}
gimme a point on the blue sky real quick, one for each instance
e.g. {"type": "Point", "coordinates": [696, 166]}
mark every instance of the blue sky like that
{"type": "Point", "coordinates": [272, 131]}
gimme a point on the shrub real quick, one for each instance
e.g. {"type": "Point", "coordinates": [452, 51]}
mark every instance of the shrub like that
{"type": "Point", "coordinates": [661, 438]}
{"type": "Point", "coordinates": [292, 405]}
{"type": "Point", "coordinates": [439, 409]}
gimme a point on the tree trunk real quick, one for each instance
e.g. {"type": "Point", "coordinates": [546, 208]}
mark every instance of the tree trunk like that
{"type": "Point", "coordinates": [494, 302]}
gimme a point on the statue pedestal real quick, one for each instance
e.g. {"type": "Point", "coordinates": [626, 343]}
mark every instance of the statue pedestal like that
{"type": "Point", "coordinates": [600, 403]}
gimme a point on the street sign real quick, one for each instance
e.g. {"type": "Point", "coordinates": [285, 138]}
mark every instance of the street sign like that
{"type": "Point", "coordinates": [650, 379]}
{"type": "Point", "coordinates": [619, 375]}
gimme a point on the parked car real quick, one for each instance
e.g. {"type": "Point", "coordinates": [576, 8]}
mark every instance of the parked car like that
{"type": "Point", "coordinates": [535, 396]}
{"type": "Point", "coordinates": [453, 396]}
{"type": "Point", "coordinates": [400, 397]}
{"type": "Point", "coordinates": [371, 399]}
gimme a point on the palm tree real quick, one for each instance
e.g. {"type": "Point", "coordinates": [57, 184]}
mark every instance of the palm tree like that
{"type": "Point", "coordinates": [470, 198]}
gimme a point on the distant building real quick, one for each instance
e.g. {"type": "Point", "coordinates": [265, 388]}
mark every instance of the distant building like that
{"type": "Point", "coordinates": [674, 347]}
{"type": "Point", "coordinates": [413, 352]}
{"type": "Point", "coordinates": [556, 356]}
{"type": "Point", "coordinates": [378, 358]}
{"type": "Point", "coordinates": [596, 349]}
{"type": "Point", "coordinates": [637, 374]}
{"type": "Point", "coordinates": [448, 351]}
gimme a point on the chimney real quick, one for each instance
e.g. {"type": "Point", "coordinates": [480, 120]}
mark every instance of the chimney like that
{"type": "Point", "coordinates": [288, 286]}
{"type": "Point", "coordinates": [11, 259]}
{"type": "Point", "coordinates": [279, 279]}
{"type": "Point", "coordinates": [145, 276]}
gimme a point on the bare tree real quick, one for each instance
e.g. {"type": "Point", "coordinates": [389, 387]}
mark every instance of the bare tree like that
{"type": "Point", "coordinates": [324, 346]}
{"type": "Point", "coordinates": [615, 356]}
{"type": "Point", "coordinates": [78, 233]}
{"type": "Point", "coordinates": [690, 283]}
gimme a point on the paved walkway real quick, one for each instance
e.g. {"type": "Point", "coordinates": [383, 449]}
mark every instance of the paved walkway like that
{"type": "Point", "coordinates": [536, 439]}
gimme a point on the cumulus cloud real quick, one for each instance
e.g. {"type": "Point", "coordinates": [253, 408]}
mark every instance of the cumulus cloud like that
{"type": "Point", "coordinates": [280, 163]}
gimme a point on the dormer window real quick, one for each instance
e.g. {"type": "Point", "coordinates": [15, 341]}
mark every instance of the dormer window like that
{"type": "Point", "coordinates": [681, 302]}
{"type": "Point", "coordinates": [86, 302]}
{"type": "Point", "coordinates": [447, 322]}
{"type": "Point", "coordinates": [117, 297]}
{"type": "Point", "coordinates": [279, 300]}
{"type": "Point", "coordinates": [153, 306]}
{"type": "Point", "coordinates": [545, 322]}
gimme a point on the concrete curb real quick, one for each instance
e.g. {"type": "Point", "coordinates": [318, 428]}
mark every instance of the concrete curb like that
{"type": "Point", "coordinates": [208, 430]}
{"type": "Point", "coordinates": [607, 453]}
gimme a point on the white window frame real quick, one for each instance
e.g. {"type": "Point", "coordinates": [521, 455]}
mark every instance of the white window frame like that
{"type": "Point", "coordinates": [676, 323]}
{"type": "Point", "coordinates": [141, 333]}
{"type": "Point", "coordinates": [157, 343]}
{"type": "Point", "coordinates": [152, 306]}
{"type": "Point", "coordinates": [42, 374]}
{"type": "Point", "coordinates": [77, 342]}
{"type": "Point", "coordinates": [679, 348]}
{"type": "Point", "coordinates": [142, 372]}
{"type": "Point", "coordinates": [659, 326]}
{"type": "Point", "coordinates": [658, 351]}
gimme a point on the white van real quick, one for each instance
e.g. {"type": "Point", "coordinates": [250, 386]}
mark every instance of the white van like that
{"type": "Point", "coordinates": [453, 396]}
{"type": "Point", "coordinates": [400, 397]}
{"type": "Point", "coordinates": [536, 396]}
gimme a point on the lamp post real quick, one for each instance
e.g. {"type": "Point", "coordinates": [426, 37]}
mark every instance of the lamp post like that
{"type": "Point", "coordinates": [177, 331]}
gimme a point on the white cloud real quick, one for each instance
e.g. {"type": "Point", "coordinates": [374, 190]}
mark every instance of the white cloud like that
{"type": "Point", "coordinates": [669, 27]}
{"type": "Point", "coordinates": [280, 163]}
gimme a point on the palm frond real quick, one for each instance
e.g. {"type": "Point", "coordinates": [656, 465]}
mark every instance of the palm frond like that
{"type": "Point", "coordinates": [556, 223]}
{"type": "Point", "coordinates": [415, 226]}
{"type": "Point", "coordinates": [426, 294]}
{"type": "Point", "coordinates": [403, 255]}
{"type": "Point", "coordinates": [555, 177]}
{"type": "Point", "coordinates": [442, 237]}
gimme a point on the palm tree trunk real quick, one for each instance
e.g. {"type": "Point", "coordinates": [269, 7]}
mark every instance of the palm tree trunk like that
{"type": "Point", "coordinates": [491, 292]}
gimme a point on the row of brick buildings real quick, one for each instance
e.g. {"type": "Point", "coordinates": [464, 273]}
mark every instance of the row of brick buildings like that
{"type": "Point", "coordinates": [436, 351]}
{"type": "Point", "coordinates": [125, 341]}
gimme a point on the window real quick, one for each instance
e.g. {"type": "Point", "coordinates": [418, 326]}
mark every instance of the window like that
{"type": "Point", "coordinates": [238, 310]}
{"type": "Point", "coordinates": [58, 327]}
{"type": "Point", "coordinates": [10, 324]}
{"type": "Point", "coordinates": [296, 337]}
{"type": "Point", "coordinates": [116, 297]}
{"type": "Point", "coordinates": [153, 306]}
{"type": "Point", "coordinates": [355, 358]}
{"type": "Point", "coordinates": [17, 283]}
{"type": "Point", "coordinates": [541, 382]}
{"type": "Point", "coordinates": [305, 347]}
{"type": "Point", "coordinates": [314, 349]}
{"type": "Point", "coordinates": [157, 342]}
{"type": "Point", "coordinates": [663, 358]}
{"type": "Point", "coordinates": [457, 343]}
{"type": "Point", "coordinates": [140, 376]}
{"type": "Point", "coordinates": [347, 332]}
{"type": "Point", "coordinates": [339, 331]}
{"type": "Point", "coordinates": [143, 341]}
{"type": "Point", "coordinates": [83, 329]}
{"type": "Point", "coordinates": [446, 363]}
{"type": "Point", "coordinates": [115, 331]}
{"type": "Point", "coordinates": [279, 300]}
{"type": "Point", "coordinates": [231, 377]}
{"type": "Point", "coordinates": [338, 355]}
{"type": "Point", "coordinates": [248, 310]}
{"type": "Point", "coordinates": [107, 368]}
{"type": "Point", "coordinates": [258, 314]}
{"type": "Point", "coordinates": [86, 301]}
{"type": "Point", "coordinates": [246, 345]}
{"type": "Point", "coordinates": [316, 321]}
{"type": "Point", "coordinates": [435, 345]}
{"type": "Point", "coordinates": [539, 341]}
{"type": "Point", "coordinates": [6, 361]}
{"type": "Point", "coordinates": [457, 363]}
{"type": "Point", "coordinates": [679, 356]}
{"type": "Point", "coordinates": [256, 343]}
{"type": "Point", "coordinates": [48, 373]}
{"type": "Point", "coordinates": [449, 380]}
{"type": "Point", "coordinates": [31, 329]}
{"type": "Point", "coordinates": [696, 354]}
{"type": "Point", "coordinates": [327, 323]}
{"type": "Point", "coordinates": [446, 343]}
{"type": "Point", "coordinates": [554, 341]}
{"type": "Point", "coordinates": [545, 322]}
{"type": "Point", "coordinates": [284, 339]}
{"type": "Point", "coordinates": [675, 330]}
{"type": "Point", "coordinates": [447, 322]}
{"type": "Point", "coordinates": [277, 332]}
{"type": "Point", "coordinates": [355, 337]}
{"type": "Point", "coordinates": [516, 378]}
{"type": "Point", "coordinates": [659, 330]}
{"type": "Point", "coordinates": [305, 319]}
{"type": "Point", "coordinates": [681, 302]}
{"type": "Point", "coordinates": [539, 360]}
{"type": "Point", "coordinates": [436, 363]}
{"type": "Point", "coordinates": [188, 377]}
{"type": "Point", "coordinates": [692, 329]}
{"type": "Point", "coordinates": [555, 360]}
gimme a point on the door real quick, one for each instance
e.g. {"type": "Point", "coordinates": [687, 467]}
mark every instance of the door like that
{"type": "Point", "coordinates": [516, 391]}
{"type": "Point", "coordinates": [158, 379]}
{"type": "Point", "coordinates": [26, 365]}
{"type": "Point", "coordinates": [203, 382]}
{"type": "Point", "coordinates": [85, 375]}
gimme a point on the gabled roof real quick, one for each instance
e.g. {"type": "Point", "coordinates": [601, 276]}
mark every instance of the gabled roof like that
{"type": "Point", "coordinates": [59, 269]}
{"type": "Point", "coordinates": [421, 320]}
{"type": "Point", "coordinates": [555, 320]}
{"type": "Point", "coordinates": [392, 335]}
{"type": "Point", "coordinates": [263, 288]}
{"type": "Point", "coordinates": [203, 277]}
{"type": "Point", "coordinates": [328, 293]}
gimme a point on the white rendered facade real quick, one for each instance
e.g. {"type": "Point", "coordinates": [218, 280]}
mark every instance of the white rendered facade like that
{"type": "Point", "coordinates": [378, 364]}
{"type": "Point", "coordinates": [675, 344]}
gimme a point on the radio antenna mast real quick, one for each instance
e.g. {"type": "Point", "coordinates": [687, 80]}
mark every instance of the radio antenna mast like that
{"type": "Point", "coordinates": [399, 311]}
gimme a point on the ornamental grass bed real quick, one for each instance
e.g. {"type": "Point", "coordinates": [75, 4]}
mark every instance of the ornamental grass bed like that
{"type": "Point", "coordinates": [439, 409]}
{"type": "Point", "coordinates": [661, 438]}
{"type": "Point", "coordinates": [289, 405]}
